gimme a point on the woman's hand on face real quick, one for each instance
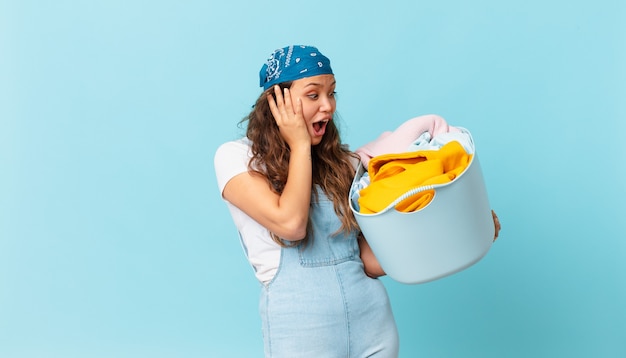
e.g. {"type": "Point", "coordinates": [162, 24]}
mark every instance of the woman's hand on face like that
{"type": "Point", "coordinates": [291, 123]}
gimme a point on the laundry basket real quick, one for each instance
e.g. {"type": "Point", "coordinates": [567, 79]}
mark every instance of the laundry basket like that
{"type": "Point", "coordinates": [454, 231]}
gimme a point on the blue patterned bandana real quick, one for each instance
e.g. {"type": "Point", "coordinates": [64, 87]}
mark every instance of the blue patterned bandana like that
{"type": "Point", "coordinates": [292, 63]}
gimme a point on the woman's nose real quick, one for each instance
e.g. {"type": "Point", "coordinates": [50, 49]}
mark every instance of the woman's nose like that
{"type": "Point", "coordinates": [327, 104]}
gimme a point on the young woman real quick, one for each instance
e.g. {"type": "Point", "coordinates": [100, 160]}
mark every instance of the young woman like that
{"type": "Point", "coordinates": [286, 185]}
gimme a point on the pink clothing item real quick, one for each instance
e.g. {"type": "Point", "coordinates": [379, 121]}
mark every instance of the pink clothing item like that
{"type": "Point", "coordinates": [400, 139]}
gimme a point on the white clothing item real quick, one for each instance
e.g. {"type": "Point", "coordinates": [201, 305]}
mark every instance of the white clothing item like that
{"type": "Point", "coordinates": [427, 142]}
{"type": "Point", "coordinates": [231, 159]}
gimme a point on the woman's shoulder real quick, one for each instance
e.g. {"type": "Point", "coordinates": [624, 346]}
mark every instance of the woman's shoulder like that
{"type": "Point", "coordinates": [238, 147]}
{"type": "Point", "coordinates": [241, 143]}
{"type": "Point", "coordinates": [231, 158]}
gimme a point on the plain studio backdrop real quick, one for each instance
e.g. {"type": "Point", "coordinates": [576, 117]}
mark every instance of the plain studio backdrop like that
{"type": "Point", "coordinates": [114, 241]}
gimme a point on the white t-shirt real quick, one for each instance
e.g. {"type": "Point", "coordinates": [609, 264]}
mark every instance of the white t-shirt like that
{"type": "Point", "coordinates": [231, 159]}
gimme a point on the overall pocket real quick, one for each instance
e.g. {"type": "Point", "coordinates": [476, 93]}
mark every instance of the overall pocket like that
{"type": "Point", "coordinates": [323, 248]}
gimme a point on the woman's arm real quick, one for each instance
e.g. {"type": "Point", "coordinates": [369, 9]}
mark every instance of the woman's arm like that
{"type": "Point", "coordinates": [286, 214]}
{"type": "Point", "coordinates": [370, 262]}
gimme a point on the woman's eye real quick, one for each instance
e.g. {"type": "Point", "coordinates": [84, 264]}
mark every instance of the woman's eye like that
{"type": "Point", "coordinates": [333, 94]}
{"type": "Point", "coordinates": [313, 96]}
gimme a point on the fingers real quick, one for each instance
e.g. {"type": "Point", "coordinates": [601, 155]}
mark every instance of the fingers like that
{"type": "Point", "coordinates": [287, 102]}
{"type": "Point", "coordinates": [298, 107]}
{"type": "Point", "coordinates": [497, 225]}
{"type": "Point", "coordinates": [275, 103]}
{"type": "Point", "coordinates": [281, 105]}
{"type": "Point", "coordinates": [273, 108]}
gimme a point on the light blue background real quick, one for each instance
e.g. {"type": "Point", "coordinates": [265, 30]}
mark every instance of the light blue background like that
{"type": "Point", "coordinates": [113, 238]}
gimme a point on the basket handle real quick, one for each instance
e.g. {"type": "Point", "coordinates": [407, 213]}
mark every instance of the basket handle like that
{"type": "Point", "coordinates": [409, 194]}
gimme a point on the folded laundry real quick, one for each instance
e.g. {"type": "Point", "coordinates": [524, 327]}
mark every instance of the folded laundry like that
{"type": "Point", "coordinates": [403, 136]}
{"type": "Point", "coordinates": [424, 142]}
{"type": "Point", "coordinates": [392, 175]}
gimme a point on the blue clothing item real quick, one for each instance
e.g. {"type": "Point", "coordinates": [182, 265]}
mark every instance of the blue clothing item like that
{"type": "Point", "coordinates": [292, 63]}
{"type": "Point", "coordinates": [321, 303]}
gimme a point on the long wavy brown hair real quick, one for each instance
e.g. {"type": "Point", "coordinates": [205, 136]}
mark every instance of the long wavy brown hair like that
{"type": "Point", "coordinates": [332, 168]}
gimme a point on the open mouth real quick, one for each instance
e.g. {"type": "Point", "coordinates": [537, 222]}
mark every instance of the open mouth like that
{"type": "Point", "coordinates": [320, 127]}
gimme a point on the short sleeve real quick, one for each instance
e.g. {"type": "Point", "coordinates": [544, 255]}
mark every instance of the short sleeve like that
{"type": "Point", "coordinates": [231, 159]}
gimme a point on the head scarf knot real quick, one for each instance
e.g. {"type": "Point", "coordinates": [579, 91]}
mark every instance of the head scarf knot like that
{"type": "Point", "coordinates": [292, 63]}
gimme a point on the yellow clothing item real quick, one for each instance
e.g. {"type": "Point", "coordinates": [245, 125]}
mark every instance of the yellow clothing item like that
{"type": "Point", "coordinates": [392, 175]}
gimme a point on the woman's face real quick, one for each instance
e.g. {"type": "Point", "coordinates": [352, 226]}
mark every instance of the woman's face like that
{"type": "Point", "coordinates": [317, 94]}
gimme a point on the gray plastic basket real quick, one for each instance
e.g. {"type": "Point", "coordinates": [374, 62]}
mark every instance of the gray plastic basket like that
{"type": "Point", "coordinates": [454, 231]}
